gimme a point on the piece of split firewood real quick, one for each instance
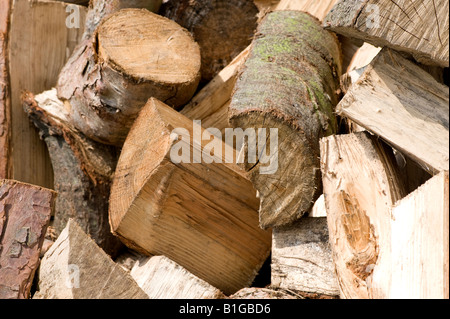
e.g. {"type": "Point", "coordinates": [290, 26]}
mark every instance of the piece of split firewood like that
{"type": "Point", "coordinates": [173, 194]}
{"type": "Point", "coordinates": [301, 258]}
{"type": "Point", "coordinates": [76, 268]}
{"type": "Point", "coordinates": [162, 278]}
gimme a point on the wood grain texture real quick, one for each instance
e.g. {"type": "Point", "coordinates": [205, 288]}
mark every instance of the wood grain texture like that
{"type": "Point", "coordinates": [211, 103]}
{"type": "Point", "coordinates": [414, 114]}
{"type": "Point", "coordinates": [35, 60]}
{"type": "Point", "coordinates": [111, 76]}
{"type": "Point", "coordinates": [82, 168]}
{"type": "Point", "coordinates": [162, 278]}
{"type": "Point", "coordinates": [76, 268]}
{"type": "Point", "coordinates": [101, 9]}
{"type": "Point", "coordinates": [222, 28]}
{"type": "Point", "coordinates": [288, 82]}
{"type": "Point", "coordinates": [418, 27]}
{"type": "Point", "coordinates": [264, 293]}
{"type": "Point", "coordinates": [361, 183]}
{"type": "Point", "coordinates": [5, 98]}
{"type": "Point", "coordinates": [301, 258]}
{"type": "Point", "coordinates": [202, 216]}
{"type": "Point", "coordinates": [419, 232]}
{"type": "Point", "coordinates": [25, 212]}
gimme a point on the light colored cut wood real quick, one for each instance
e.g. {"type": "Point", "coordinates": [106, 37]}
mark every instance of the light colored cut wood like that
{"type": "Point", "coordinates": [363, 56]}
{"type": "Point", "coordinates": [417, 27]}
{"type": "Point", "coordinates": [25, 212]}
{"type": "Point", "coordinates": [76, 268]}
{"type": "Point", "coordinates": [301, 258]}
{"type": "Point", "coordinates": [101, 9]}
{"type": "Point", "coordinates": [202, 216]}
{"type": "Point", "coordinates": [319, 210]}
{"type": "Point", "coordinates": [39, 45]}
{"type": "Point", "coordinates": [162, 278]}
{"type": "Point", "coordinates": [398, 101]}
{"type": "Point", "coordinates": [264, 293]}
{"type": "Point", "coordinates": [318, 8]}
{"type": "Point", "coordinates": [360, 183]}
{"type": "Point", "coordinates": [210, 104]}
{"type": "Point", "coordinates": [420, 249]}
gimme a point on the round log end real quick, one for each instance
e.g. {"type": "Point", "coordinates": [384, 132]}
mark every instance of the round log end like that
{"type": "Point", "coordinates": [148, 47]}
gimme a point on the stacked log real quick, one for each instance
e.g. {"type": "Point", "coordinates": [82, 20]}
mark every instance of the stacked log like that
{"type": "Point", "coordinates": [211, 149]}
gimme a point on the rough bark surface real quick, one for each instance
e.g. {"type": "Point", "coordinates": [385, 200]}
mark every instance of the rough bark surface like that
{"type": "Point", "coordinates": [288, 82]}
{"type": "Point", "coordinates": [25, 212]}
{"type": "Point", "coordinates": [5, 100]}
{"type": "Point", "coordinates": [82, 168]}
{"type": "Point", "coordinates": [222, 28]}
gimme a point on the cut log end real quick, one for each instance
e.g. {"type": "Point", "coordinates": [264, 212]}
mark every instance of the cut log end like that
{"type": "Point", "coordinates": [289, 183]}
{"type": "Point", "coordinates": [110, 77]}
{"type": "Point", "coordinates": [141, 50]}
{"type": "Point", "coordinates": [222, 28]}
{"type": "Point", "coordinates": [288, 83]}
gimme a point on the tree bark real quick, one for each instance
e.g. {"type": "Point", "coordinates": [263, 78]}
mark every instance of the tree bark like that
{"type": "Point", "coordinates": [5, 87]}
{"type": "Point", "coordinates": [82, 168]}
{"type": "Point", "coordinates": [289, 82]}
{"type": "Point", "coordinates": [222, 28]}
{"type": "Point", "coordinates": [198, 211]}
{"type": "Point", "coordinates": [25, 212]}
{"type": "Point", "coordinates": [110, 76]}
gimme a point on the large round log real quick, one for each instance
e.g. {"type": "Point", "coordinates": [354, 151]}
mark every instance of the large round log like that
{"type": "Point", "coordinates": [222, 28]}
{"type": "Point", "coordinates": [133, 55]}
{"type": "Point", "coordinates": [289, 82]}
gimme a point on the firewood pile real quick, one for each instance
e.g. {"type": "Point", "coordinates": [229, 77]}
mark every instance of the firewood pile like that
{"type": "Point", "coordinates": [224, 149]}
